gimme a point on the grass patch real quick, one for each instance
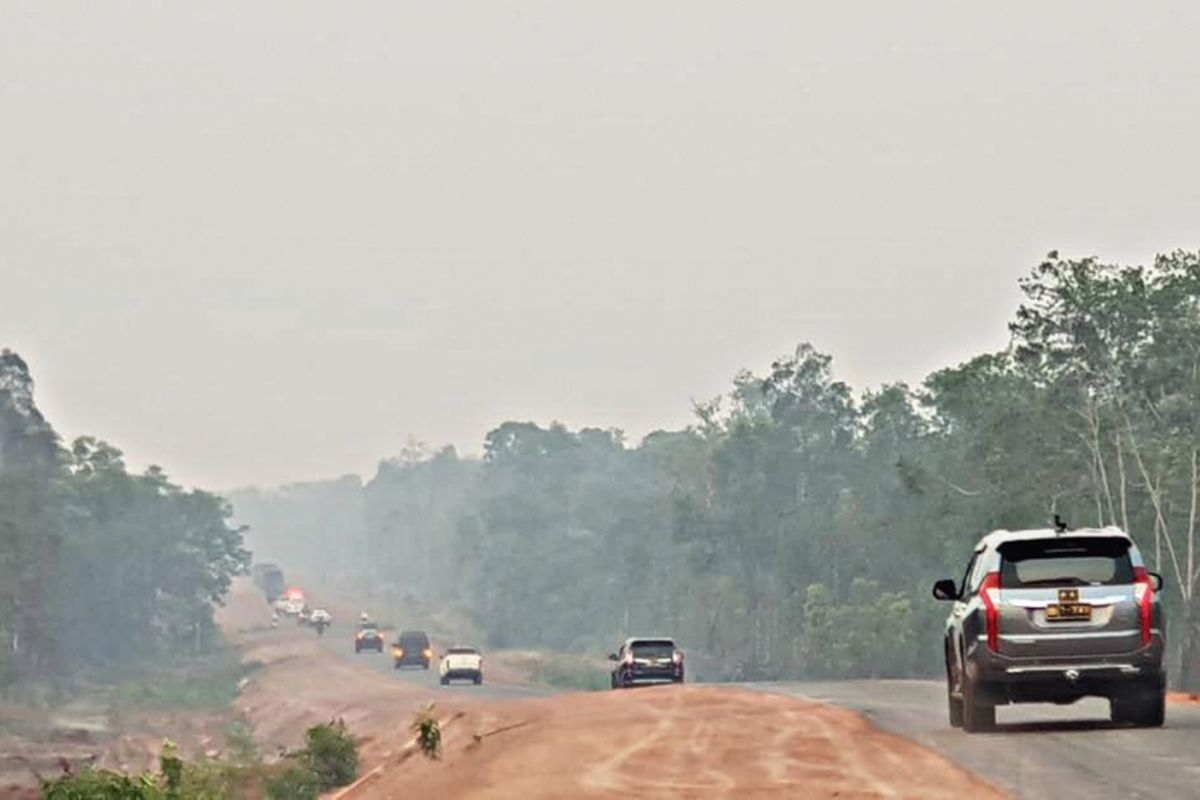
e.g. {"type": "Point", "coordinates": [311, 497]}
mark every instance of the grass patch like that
{"type": "Point", "coordinates": [329, 760]}
{"type": "Point", "coordinates": [210, 682]}
{"type": "Point", "coordinates": [560, 670]}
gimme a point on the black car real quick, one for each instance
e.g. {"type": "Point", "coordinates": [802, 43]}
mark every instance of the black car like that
{"type": "Point", "coordinates": [412, 649]}
{"type": "Point", "coordinates": [368, 638]}
{"type": "Point", "coordinates": [647, 661]}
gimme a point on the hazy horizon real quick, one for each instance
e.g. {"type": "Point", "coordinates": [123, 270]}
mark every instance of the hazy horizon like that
{"type": "Point", "coordinates": [260, 244]}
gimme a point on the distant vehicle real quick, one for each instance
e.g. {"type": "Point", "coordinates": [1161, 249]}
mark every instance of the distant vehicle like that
{"type": "Point", "coordinates": [269, 578]}
{"type": "Point", "coordinates": [646, 661]}
{"type": "Point", "coordinates": [280, 605]}
{"type": "Point", "coordinates": [368, 637]}
{"type": "Point", "coordinates": [412, 649]}
{"type": "Point", "coordinates": [1050, 616]}
{"type": "Point", "coordinates": [320, 615]}
{"type": "Point", "coordinates": [293, 601]}
{"type": "Point", "coordinates": [462, 663]}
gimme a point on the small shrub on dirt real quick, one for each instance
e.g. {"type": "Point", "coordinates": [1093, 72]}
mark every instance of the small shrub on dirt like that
{"type": "Point", "coordinates": [295, 781]}
{"type": "Point", "coordinates": [332, 754]}
{"type": "Point", "coordinates": [240, 744]}
{"type": "Point", "coordinates": [429, 733]}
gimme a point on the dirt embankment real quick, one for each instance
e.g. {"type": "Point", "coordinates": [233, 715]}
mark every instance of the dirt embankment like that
{"type": "Point", "coordinates": [666, 742]}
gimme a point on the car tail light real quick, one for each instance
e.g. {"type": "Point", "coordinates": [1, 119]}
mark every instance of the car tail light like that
{"type": "Point", "coordinates": [428, 653]}
{"type": "Point", "coordinates": [629, 657]}
{"type": "Point", "coordinates": [677, 657]}
{"type": "Point", "coordinates": [989, 590]}
{"type": "Point", "coordinates": [1143, 593]}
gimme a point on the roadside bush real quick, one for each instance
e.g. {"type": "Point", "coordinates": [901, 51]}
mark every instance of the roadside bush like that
{"type": "Point", "coordinates": [295, 781]}
{"type": "Point", "coordinates": [870, 635]}
{"type": "Point", "coordinates": [331, 753]}
{"type": "Point", "coordinates": [102, 784]}
{"type": "Point", "coordinates": [240, 744]}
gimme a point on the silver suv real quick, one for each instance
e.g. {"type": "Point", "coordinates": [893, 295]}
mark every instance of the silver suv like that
{"type": "Point", "coordinates": [1050, 616]}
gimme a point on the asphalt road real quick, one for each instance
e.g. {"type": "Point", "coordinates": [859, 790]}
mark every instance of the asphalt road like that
{"type": "Point", "coordinates": [340, 640]}
{"type": "Point", "coordinates": [1038, 751]}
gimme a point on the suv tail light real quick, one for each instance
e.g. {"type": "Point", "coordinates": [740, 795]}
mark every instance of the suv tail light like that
{"type": "Point", "coordinates": [989, 591]}
{"type": "Point", "coordinates": [677, 657]}
{"type": "Point", "coordinates": [1143, 593]}
{"type": "Point", "coordinates": [629, 657]}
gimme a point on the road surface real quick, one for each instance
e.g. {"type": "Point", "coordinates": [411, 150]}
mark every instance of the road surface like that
{"type": "Point", "coordinates": [338, 640]}
{"type": "Point", "coordinates": [1038, 751]}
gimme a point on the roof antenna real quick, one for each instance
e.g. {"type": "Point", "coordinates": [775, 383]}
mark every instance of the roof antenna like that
{"type": "Point", "coordinates": [1060, 526]}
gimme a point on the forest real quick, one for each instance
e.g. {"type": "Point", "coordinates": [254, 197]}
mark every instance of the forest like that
{"type": "Point", "coordinates": [99, 567]}
{"type": "Point", "coordinates": [795, 528]}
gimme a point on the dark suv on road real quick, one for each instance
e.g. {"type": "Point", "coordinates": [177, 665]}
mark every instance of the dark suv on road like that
{"type": "Point", "coordinates": [1050, 616]}
{"type": "Point", "coordinates": [368, 637]}
{"type": "Point", "coordinates": [412, 649]}
{"type": "Point", "coordinates": [645, 661]}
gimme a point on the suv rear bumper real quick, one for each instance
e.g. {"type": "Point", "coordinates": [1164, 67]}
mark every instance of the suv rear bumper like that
{"type": "Point", "coordinates": [1031, 680]}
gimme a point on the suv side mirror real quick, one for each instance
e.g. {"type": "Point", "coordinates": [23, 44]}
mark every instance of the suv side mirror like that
{"type": "Point", "coordinates": [945, 589]}
{"type": "Point", "coordinates": [613, 657]}
{"type": "Point", "coordinates": [1157, 581]}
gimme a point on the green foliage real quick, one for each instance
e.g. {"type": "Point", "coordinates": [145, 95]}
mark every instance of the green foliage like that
{"type": "Point", "coordinates": [207, 682]}
{"type": "Point", "coordinates": [98, 566]}
{"type": "Point", "coordinates": [428, 731]}
{"type": "Point", "coordinates": [170, 765]}
{"type": "Point", "coordinates": [868, 636]}
{"type": "Point", "coordinates": [293, 781]}
{"type": "Point", "coordinates": [240, 744]}
{"type": "Point", "coordinates": [331, 753]}
{"type": "Point", "coordinates": [102, 785]}
{"type": "Point", "coordinates": [329, 759]}
{"type": "Point", "coordinates": [796, 527]}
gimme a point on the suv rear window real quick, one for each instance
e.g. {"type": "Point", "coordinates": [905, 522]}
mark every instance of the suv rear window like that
{"type": "Point", "coordinates": [1065, 562]}
{"type": "Point", "coordinates": [414, 638]}
{"type": "Point", "coordinates": [660, 648]}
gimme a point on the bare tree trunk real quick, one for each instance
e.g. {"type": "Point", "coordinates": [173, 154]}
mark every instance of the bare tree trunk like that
{"type": "Point", "coordinates": [1191, 530]}
{"type": "Point", "coordinates": [1123, 488]}
{"type": "Point", "coordinates": [1185, 586]}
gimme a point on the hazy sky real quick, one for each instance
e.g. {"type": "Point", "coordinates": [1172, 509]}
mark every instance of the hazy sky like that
{"type": "Point", "coordinates": [266, 241]}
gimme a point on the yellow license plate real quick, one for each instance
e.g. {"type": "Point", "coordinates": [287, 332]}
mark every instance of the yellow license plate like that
{"type": "Point", "coordinates": [1068, 612]}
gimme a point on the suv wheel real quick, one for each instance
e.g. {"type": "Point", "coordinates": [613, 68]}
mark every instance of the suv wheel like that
{"type": "Point", "coordinates": [955, 704]}
{"type": "Point", "coordinates": [956, 707]}
{"type": "Point", "coordinates": [978, 715]}
{"type": "Point", "coordinates": [1144, 706]}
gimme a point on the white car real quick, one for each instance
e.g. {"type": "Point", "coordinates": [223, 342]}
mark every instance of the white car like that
{"type": "Point", "coordinates": [462, 663]}
{"type": "Point", "coordinates": [320, 615]}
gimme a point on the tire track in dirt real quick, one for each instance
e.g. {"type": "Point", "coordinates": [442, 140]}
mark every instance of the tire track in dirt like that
{"type": "Point", "coordinates": [611, 773]}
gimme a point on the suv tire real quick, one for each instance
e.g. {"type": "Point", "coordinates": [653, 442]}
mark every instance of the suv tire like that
{"type": "Point", "coordinates": [1145, 706]}
{"type": "Point", "coordinates": [955, 706]}
{"type": "Point", "coordinates": [979, 716]}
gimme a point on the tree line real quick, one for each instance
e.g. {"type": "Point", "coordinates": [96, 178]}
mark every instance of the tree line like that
{"type": "Point", "coordinates": [796, 526]}
{"type": "Point", "coordinates": [98, 566]}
